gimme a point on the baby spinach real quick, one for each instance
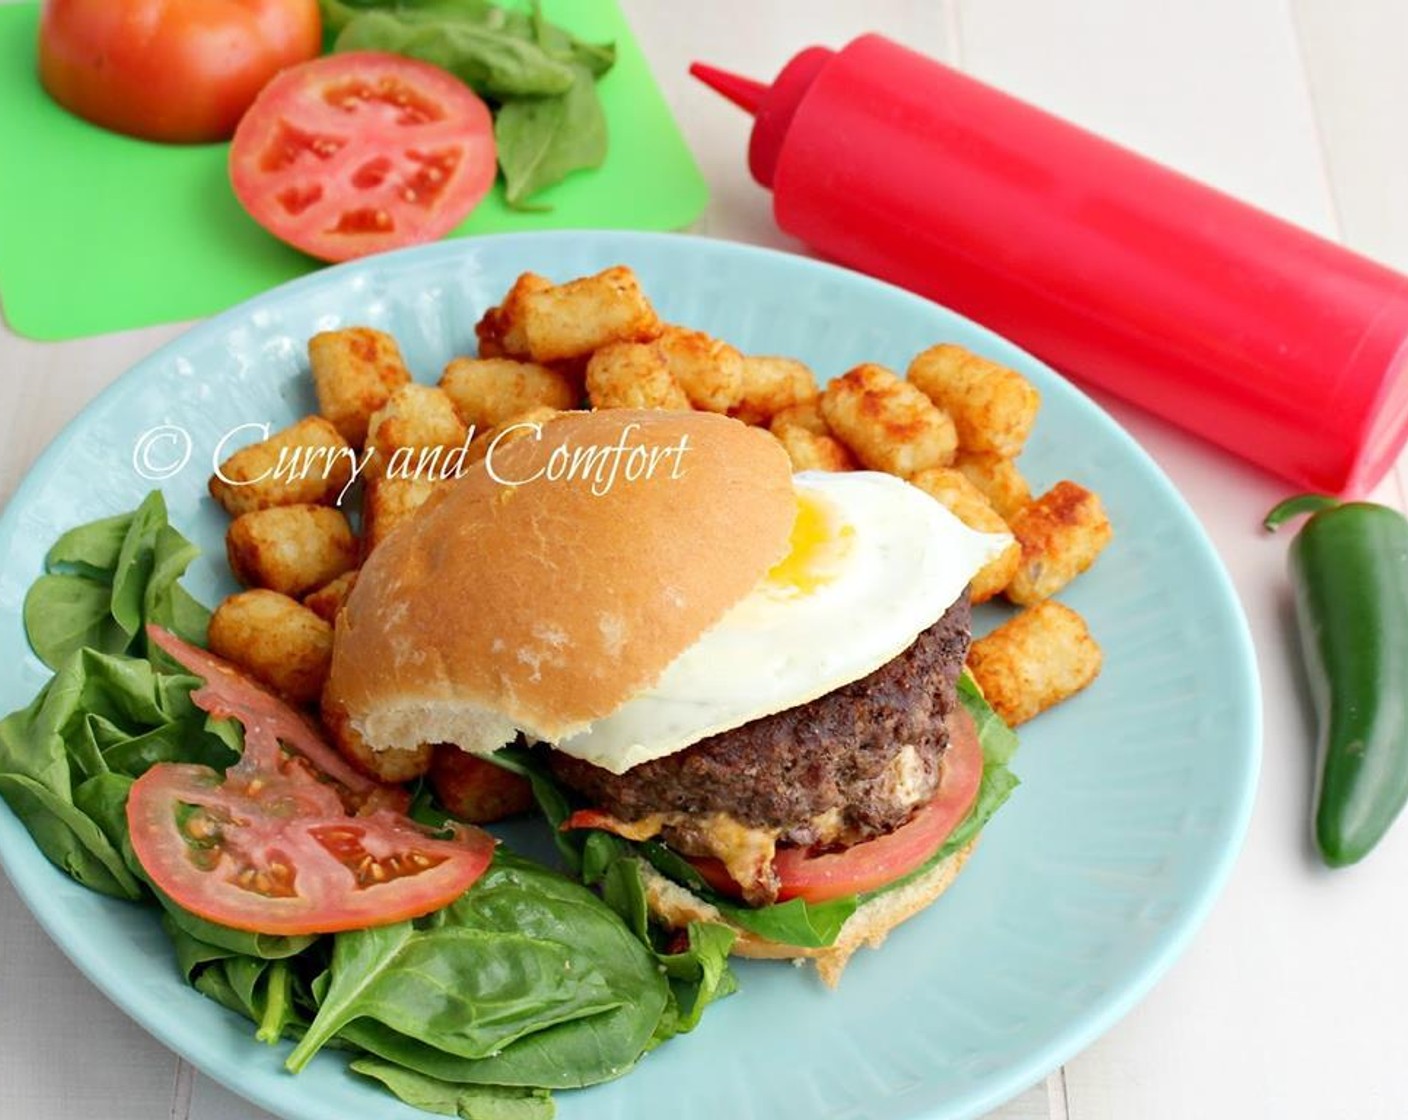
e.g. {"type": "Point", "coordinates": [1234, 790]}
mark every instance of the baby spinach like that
{"type": "Point", "coordinates": [541, 140]}
{"type": "Point", "coordinates": [469, 1102]}
{"type": "Point", "coordinates": [540, 79]}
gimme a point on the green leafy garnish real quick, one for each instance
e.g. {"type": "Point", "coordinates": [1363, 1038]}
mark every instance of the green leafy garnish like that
{"type": "Point", "coordinates": [539, 78]}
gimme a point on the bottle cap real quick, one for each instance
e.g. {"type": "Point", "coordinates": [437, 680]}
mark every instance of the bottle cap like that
{"type": "Point", "coordinates": [772, 107]}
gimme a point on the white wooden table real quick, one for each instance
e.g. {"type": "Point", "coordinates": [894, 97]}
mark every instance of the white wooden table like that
{"type": "Point", "coordinates": [1293, 1001]}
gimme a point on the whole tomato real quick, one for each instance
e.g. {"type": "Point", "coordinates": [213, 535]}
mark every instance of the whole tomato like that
{"type": "Point", "coordinates": [182, 71]}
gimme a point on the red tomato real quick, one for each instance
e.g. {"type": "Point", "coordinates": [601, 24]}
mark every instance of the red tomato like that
{"type": "Point", "coordinates": [873, 864]}
{"type": "Point", "coordinates": [183, 71]}
{"type": "Point", "coordinates": [356, 153]}
{"type": "Point", "coordinates": [273, 845]}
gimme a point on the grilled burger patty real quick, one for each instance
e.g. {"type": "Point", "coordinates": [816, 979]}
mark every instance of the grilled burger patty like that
{"type": "Point", "coordinates": [848, 766]}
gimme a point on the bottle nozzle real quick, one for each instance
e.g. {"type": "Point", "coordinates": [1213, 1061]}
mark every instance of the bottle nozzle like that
{"type": "Point", "coordinates": [746, 93]}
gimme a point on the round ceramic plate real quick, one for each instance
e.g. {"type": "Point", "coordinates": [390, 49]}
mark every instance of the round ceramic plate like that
{"type": "Point", "coordinates": [1134, 795]}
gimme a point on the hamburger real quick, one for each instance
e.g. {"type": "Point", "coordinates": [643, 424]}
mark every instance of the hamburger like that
{"type": "Point", "coordinates": [753, 678]}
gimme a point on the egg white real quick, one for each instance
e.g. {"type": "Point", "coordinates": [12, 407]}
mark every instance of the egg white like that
{"type": "Point", "coordinates": [879, 562]}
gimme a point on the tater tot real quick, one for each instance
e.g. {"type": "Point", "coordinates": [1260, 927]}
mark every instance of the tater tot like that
{"type": "Point", "coordinates": [389, 503]}
{"type": "Point", "coordinates": [515, 427]}
{"type": "Point", "coordinates": [709, 370]}
{"type": "Point", "coordinates": [497, 330]}
{"type": "Point", "coordinates": [632, 375]}
{"type": "Point", "coordinates": [487, 391]}
{"type": "Point", "coordinates": [888, 423]}
{"type": "Point", "coordinates": [328, 599]}
{"type": "Point", "coordinates": [275, 639]}
{"type": "Point", "coordinates": [354, 371]}
{"type": "Point", "coordinates": [999, 480]}
{"type": "Point", "coordinates": [399, 764]}
{"type": "Point", "coordinates": [805, 415]}
{"type": "Point", "coordinates": [966, 502]}
{"type": "Point", "coordinates": [474, 789]}
{"type": "Point", "coordinates": [811, 452]}
{"type": "Point", "coordinates": [576, 318]}
{"type": "Point", "coordinates": [1035, 660]}
{"type": "Point", "coordinates": [414, 432]}
{"type": "Point", "coordinates": [290, 549]}
{"type": "Point", "coordinates": [993, 407]}
{"type": "Point", "coordinates": [772, 385]}
{"type": "Point", "coordinates": [307, 463]}
{"type": "Point", "coordinates": [1061, 534]}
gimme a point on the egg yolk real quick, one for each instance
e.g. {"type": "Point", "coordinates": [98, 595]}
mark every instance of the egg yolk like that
{"type": "Point", "coordinates": [819, 544]}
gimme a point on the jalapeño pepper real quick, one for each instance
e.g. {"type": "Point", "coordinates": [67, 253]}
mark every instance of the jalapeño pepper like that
{"type": "Point", "coordinates": [1349, 567]}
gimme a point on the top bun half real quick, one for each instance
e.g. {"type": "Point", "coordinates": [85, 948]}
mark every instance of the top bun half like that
{"type": "Point", "coordinates": [544, 606]}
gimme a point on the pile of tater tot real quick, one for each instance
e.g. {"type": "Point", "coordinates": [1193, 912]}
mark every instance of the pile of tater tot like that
{"type": "Point", "coordinates": [953, 425]}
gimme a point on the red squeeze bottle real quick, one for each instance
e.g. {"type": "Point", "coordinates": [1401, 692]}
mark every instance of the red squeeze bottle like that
{"type": "Point", "coordinates": [1279, 345]}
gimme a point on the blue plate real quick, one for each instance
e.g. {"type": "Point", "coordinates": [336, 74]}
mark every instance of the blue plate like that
{"type": "Point", "coordinates": [1134, 796]}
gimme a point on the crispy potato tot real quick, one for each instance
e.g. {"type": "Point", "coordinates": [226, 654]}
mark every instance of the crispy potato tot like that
{"type": "Point", "coordinates": [966, 502]}
{"type": "Point", "coordinates": [389, 503]}
{"type": "Point", "coordinates": [811, 452]}
{"type": "Point", "coordinates": [515, 427]}
{"type": "Point", "coordinates": [1061, 534]}
{"type": "Point", "coordinates": [276, 640]}
{"type": "Point", "coordinates": [415, 433]}
{"type": "Point", "coordinates": [354, 370]}
{"type": "Point", "coordinates": [1035, 660]}
{"type": "Point", "coordinates": [328, 599]}
{"type": "Point", "coordinates": [993, 407]}
{"type": "Point", "coordinates": [999, 480]}
{"type": "Point", "coordinates": [805, 415]}
{"type": "Point", "coordinates": [495, 331]}
{"type": "Point", "coordinates": [290, 549]}
{"type": "Point", "coordinates": [888, 423]}
{"type": "Point", "coordinates": [399, 764]}
{"type": "Point", "coordinates": [772, 385]}
{"type": "Point", "coordinates": [308, 463]}
{"type": "Point", "coordinates": [488, 391]}
{"type": "Point", "coordinates": [632, 375]}
{"type": "Point", "coordinates": [474, 789]}
{"type": "Point", "coordinates": [553, 322]}
{"type": "Point", "coordinates": [709, 370]}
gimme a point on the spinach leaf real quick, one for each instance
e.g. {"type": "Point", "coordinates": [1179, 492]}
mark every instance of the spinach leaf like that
{"type": "Point", "coordinates": [64, 613]}
{"type": "Point", "coordinates": [469, 1102]}
{"type": "Point", "coordinates": [541, 140]}
{"type": "Point", "coordinates": [135, 561]}
{"type": "Point", "coordinates": [517, 901]}
{"type": "Point", "coordinates": [69, 838]}
{"type": "Point", "coordinates": [493, 62]}
{"type": "Point", "coordinates": [92, 548]}
{"type": "Point", "coordinates": [698, 975]}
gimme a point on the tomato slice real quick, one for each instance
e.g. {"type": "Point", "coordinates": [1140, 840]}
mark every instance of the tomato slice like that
{"type": "Point", "coordinates": [356, 153]}
{"type": "Point", "coordinates": [273, 845]}
{"type": "Point", "coordinates": [873, 864]}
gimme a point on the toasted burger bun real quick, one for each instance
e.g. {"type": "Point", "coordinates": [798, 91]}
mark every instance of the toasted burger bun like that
{"type": "Point", "coordinates": [544, 606]}
{"type": "Point", "coordinates": [676, 906]}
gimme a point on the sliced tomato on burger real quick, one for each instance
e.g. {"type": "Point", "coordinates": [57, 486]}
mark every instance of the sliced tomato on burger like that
{"type": "Point", "coordinates": [356, 153]}
{"type": "Point", "coordinates": [290, 839]}
{"type": "Point", "coordinates": [873, 864]}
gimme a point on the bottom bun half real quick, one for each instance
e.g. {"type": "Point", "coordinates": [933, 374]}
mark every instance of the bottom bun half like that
{"type": "Point", "coordinates": [676, 907]}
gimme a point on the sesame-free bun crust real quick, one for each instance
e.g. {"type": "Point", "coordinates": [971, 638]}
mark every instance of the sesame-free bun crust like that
{"type": "Point", "coordinates": [544, 606]}
{"type": "Point", "coordinates": [676, 907]}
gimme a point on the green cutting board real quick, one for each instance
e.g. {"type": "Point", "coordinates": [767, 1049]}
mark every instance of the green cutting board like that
{"type": "Point", "coordinates": [100, 232]}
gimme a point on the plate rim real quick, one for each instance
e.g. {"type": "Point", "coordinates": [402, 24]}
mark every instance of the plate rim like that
{"type": "Point", "coordinates": [1081, 1030]}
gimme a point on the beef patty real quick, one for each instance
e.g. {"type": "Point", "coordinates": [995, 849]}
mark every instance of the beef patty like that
{"type": "Point", "coordinates": [845, 767]}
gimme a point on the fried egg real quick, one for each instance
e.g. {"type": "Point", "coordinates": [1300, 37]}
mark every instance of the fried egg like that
{"type": "Point", "coordinates": [873, 562]}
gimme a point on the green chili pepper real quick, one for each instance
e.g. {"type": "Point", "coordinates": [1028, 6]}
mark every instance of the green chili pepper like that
{"type": "Point", "coordinates": [1349, 567]}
